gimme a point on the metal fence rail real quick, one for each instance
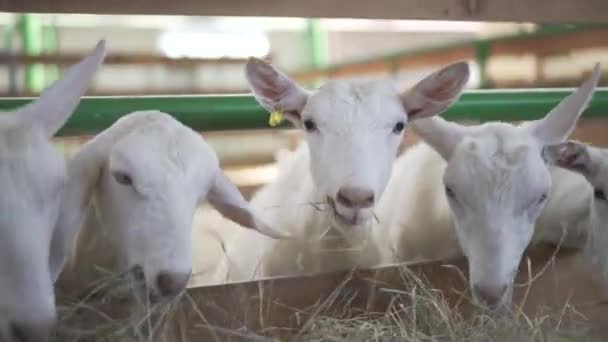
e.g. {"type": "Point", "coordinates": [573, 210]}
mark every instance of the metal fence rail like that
{"type": "Point", "coordinates": [241, 112]}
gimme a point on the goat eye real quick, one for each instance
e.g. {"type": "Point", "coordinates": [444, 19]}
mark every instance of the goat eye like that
{"type": "Point", "coordinates": [449, 192]}
{"type": "Point", "coordinates": [542, 198]}
{"type": "Point", "coordinates": [399, 126]}
{"type": "Point", "coordinates": [122, 178]}
{"type": "Point", "coordinates": [310, 125]}
{"type": "Point", "coordinates": [599, 194]}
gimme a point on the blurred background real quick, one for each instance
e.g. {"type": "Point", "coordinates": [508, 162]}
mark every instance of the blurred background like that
{"type": "Point", "coordinates": [150, 55]}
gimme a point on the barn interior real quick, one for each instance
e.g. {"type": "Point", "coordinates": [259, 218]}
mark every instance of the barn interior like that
{"type": "Point", "coordinates": [188, 61]}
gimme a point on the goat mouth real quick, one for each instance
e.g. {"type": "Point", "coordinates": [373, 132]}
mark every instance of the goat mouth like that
{"type": "Point", "coordinates": [141, 289]}
{"type": "Point", "coordinates": [498, 307]}
{"type": "Point", "coordinates": [341, 219]}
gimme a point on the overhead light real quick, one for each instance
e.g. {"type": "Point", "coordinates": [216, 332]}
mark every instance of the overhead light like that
{"type": "Point", "coordinates": [206, 44]}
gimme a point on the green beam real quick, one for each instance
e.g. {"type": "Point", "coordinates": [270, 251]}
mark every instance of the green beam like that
{"type": "Point", "coordinates": [318, 50]}
{"type": "Point", "coordinates": [10, 32]}
{"type": "Point", "coordinates": [50, 46]}
{"type": "Point", "coordinates": [482, 54]}
{"type": "Point", "coordinates": [236, 112]}
{"type": "Point", "coordinates": [32, 43]}
{"type": "Point", "coordinates": [316, 38]}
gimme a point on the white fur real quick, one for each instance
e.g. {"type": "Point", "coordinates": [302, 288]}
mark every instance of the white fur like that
{"type": "Point", "coordinates": [32, 179]}
{"type": "Point", "coordinates": [146, 223]}
{"type": "Point", "coordinates": [416, 222]}
{"type": "Point", "coordinates": [500, 185]}
{"type": "Point", "coordinates": [592, 163]}
{"type": "Point", "coordinates": [287, 203]}
{"type": "Point", "coordinates": [210, 265]}
{"type": "Point", "coordinates": [352, 144]}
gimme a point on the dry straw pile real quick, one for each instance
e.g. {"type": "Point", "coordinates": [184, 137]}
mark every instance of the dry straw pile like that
{"type": "Point", "coordinates": [416, 312]}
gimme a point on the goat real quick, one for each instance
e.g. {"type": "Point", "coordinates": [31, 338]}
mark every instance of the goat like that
{"type": "Point", "coordinates": [591, 163]}
{"type": "Point", "coordinates": [33, 179]}
{"type": "Point", "coordinates": [146, 174]}
{"type": "Point", "coordinates": [325, 195]}
{"type": "Point", "coordinates": [488, 184]}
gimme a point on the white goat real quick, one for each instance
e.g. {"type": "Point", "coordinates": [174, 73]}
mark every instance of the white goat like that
{"type": "Point", "coordinates": [32, 178]}
{"type": "Point", "coordinates": [592, 163]}
{"type": "Point", "coordinates": [327, 192]}
{"type": "Point", "coordinates": [485, 200]}
{"type": "Point", "coordinates": [210, 263]}
{"type": "Point", "coordinates": [416, 222]}
{"type": "Point", "coordinates": [147, 174]}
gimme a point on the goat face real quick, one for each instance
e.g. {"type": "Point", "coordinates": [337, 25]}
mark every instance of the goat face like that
{"type": "Point", "coordinates": [497, 183]}
{"type": "Point", "coordinates": [353, 129]}
{"type": "Point", "coordinates": [147, 174]}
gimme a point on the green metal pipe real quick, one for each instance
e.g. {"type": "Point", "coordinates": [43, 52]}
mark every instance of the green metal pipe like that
{"type": "Point", "coordinates": [316, 38]}
{"type": "Point", "coordinates": [236, 112]}
{"type": "Point", "coordinates": [318, 49]}
{"type": "Point", "coordinates": [10, 32]}
{"type": "Point", "coordinates": [519, 104]}
{"type": "Point", "coordinates": [482, 54]}
{"type": "Point", "coordinates": [32, 43]}
{"type": "Point", "coordinates": [50, 45]}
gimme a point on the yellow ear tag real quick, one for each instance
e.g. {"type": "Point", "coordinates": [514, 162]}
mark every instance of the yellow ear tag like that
{"type": "Point", "coordinates": [276, 117]}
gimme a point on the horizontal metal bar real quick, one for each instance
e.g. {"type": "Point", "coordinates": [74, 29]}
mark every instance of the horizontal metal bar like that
{"type": "Point", "coordinates": [238, 112]}
{"type": "Point", "coordinates": [519, 104]}
{"type": "Point", "coordinates": [122, 59]}
{"type": "Point", "coordinates": [538, 11]}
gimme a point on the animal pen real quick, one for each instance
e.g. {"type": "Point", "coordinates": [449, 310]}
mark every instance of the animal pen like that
{"type": "Point", "coordinates": [553, 283]}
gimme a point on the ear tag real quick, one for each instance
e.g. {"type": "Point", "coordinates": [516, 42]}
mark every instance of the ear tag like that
{"type": "Point", "coordinates": [276, 117]}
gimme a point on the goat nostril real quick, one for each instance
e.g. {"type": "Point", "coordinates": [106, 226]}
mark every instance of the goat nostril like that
{"type": "Point", "coordinates": [344, 200]}
{"type": "Point", "coordinates": [165, 284]}
{"type": "Point", "coordinates": [370, 200]}
{"type": "Point", "coordinates": [490, 296]}
{"type": "Point", "coordinates": [353, 197]}
{"type": "Point", "coordinates": [170, 284]}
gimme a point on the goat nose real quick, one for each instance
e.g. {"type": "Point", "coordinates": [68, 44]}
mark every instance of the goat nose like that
{"type": "Point", "coordinates": [35, 331]}
{"type": "Point", "coordinates": [356, 198]}
{"type": "Point", "coordinates": [169, 284]}
{"type": "Point", "coordinates": [489, 295]}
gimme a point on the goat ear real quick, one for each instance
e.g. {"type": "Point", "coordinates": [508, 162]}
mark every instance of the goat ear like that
{"type": "Point", "coordinates": [436, 92]}
{"type": "Point", "coordinates": [440, 134]}
{"type": "Point", "coordinates": [571, 155]}
{"type": "Point", "coordinates": [226, 198]}
{"type": "Point", "coordinates": [274, 90]}
{"type": "Point", "coordinates": [57, 103]}
{"type": "Point", "coordinates": [83, 171]}
{"type": "Point", "coordinates": [556, 126]}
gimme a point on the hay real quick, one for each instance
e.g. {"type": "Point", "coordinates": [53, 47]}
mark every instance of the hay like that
{"type": "Point", "coordinates": [111, 310]}
{"type": "Point", "coordinates": [423, 314]}
{"type": "Point", "coordinates": [416, 312]}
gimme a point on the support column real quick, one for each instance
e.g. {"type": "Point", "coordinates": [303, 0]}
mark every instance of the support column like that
{"type": "Point", "coordinates": [32, 44]}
